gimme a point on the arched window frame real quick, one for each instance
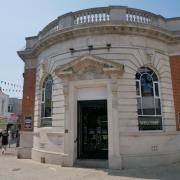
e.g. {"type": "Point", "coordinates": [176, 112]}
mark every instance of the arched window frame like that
{"type": "Point", "coordinates": [46, 117]}
{"type": "Point", "coordinates": [157, 99]}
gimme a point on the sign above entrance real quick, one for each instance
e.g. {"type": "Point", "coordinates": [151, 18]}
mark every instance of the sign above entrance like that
{"type": "Point", "coordinates": [92, 93]}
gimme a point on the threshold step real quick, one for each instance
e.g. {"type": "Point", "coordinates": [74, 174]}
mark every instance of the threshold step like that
{"type": "Point", "coordinates": [92, 163]}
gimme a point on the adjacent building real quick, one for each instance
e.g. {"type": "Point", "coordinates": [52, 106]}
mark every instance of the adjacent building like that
{"type": "Point", "coordinates": [4, 99]}
{"type": "Point", "coordinates": [103, 83]}
{"type": "Point", "coordinates": [14, 114]}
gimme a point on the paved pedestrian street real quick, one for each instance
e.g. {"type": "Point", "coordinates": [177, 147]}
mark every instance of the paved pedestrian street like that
{"type": "Point", "coordinates": [12, 168]}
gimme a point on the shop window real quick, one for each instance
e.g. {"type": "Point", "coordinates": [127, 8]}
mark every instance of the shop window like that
{"type": "Point", "coordinates": [148, 100]}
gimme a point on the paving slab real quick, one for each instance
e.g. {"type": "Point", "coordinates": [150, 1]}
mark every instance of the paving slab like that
{"type": "Point", "coordinates": [12, 168]}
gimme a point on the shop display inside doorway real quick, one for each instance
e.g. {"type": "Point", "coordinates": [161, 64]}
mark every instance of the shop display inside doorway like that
{"type": "Point", "coordinates": [92, 129]}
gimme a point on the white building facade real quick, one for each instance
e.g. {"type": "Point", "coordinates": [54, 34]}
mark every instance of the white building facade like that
{"type": "Point", "coordinates": [104, 89]}
{"type": "Point", "coordinates": [4, 99]}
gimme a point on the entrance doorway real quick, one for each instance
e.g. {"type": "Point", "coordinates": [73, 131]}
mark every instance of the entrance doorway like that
{"type": "Point", "coordinates": [92, 129]}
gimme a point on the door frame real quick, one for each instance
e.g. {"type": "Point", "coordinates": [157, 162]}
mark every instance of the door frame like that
{"type": "Point", "coordinates": [70, 139]}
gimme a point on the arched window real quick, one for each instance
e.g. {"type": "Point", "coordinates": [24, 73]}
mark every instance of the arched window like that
{"type": "Point", "coordinates": [148, 100]}
{"type": "Point", "coordinates": [46, 102]}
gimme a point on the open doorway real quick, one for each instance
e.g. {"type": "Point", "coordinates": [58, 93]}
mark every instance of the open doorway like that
{"type": "Point", "coordinates": [92, 129]}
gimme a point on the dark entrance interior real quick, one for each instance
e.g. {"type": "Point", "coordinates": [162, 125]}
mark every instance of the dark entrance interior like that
{"type": "Point", "coordinates": [92, 129]}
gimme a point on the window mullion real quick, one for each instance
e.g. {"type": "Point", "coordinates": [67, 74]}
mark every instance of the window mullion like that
{"type": "Point", "coordinates": [154, 98]}
{"type": "Point", "coordinates": [140, 95]}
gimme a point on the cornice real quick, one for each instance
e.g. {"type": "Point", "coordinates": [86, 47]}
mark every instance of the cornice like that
{"type": "Point", "coordinates": [122, 28]}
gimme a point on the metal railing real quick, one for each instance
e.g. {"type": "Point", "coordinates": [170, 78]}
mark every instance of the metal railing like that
{"type": "Point", "coordinates": [148, 123]}
{"type": "Point", "coordinates": [46, 122]}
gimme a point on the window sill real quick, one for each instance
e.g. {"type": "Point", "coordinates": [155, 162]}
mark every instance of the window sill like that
{"type": "Point", "coordinates": [150, 133]}
{"type": "Point", "coordinates": [58, 134]}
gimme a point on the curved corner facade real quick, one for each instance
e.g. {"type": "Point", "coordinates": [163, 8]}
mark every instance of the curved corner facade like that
{"type": "Point", "coordinates": [105, 85]}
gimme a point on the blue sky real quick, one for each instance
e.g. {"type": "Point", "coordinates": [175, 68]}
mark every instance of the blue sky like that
{"type": "Point", "coordinates": [23, 18]}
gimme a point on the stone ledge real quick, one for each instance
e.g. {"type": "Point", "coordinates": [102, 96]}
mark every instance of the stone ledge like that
{"type": "Point", "coordinates": [50, 152]}
{"type": "Point", "coordinates": [24, 153]}
{"type": "Point", "coordinates": [150, 133]}
{"type": "Point", "coordinates": [141, 155]}
{"type": "Point", "coordinates": [59, 134]}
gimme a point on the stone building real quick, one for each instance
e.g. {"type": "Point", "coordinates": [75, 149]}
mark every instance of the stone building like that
{"type": "Point", "coordinates": [103, 83]}
{"type": "Point", "coordinates": [14, 114]}
{"type": "Point", "coordinates": [4, 99]}
{"type": "Point", "coordinates": [15, 105]}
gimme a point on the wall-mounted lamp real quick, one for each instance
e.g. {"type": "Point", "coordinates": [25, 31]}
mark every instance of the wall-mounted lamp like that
{"type": "Point", "coordinates": [71, 50]}
{"type": "Point", "coordinates": [90, 47]}
{"type": "Point", "coordinates": [108, 46]}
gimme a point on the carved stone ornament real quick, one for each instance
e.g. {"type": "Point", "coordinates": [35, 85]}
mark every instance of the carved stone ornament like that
{"type": "Point", "coordinates": [149, 54]}
{"type": "Point", "coordinates": [89, 67]}
{"type": "Point", "coordinates": [43, 69]}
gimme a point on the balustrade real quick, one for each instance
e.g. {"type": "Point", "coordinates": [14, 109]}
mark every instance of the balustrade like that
{"type": "Point", "coordinates": [101, 15]}
{"type": "Point", "coordinates": [96, 16]}
{"type": "Point", "coordinates": [138, 16]}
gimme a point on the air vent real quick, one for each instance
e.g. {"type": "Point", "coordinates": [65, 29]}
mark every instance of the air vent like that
{"type": "Point", "coordinates": [43, 160]}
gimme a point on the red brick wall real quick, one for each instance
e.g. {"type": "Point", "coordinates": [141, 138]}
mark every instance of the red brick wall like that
{"type": "Point", "coordinates": [175, 73]}
{"type": "Point", "coordinates": [28, 96]}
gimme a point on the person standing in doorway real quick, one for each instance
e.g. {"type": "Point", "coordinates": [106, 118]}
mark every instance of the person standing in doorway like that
{"type": "Point", "coordinates": [4, 141]}
{"type": "Point", "coordinates": [0, 139]}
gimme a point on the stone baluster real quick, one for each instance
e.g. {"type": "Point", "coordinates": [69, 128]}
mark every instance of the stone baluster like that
{"type": "Point", "coordinates": [86, 17]}
{"type": "Point", "coordinates": [78, 19]}
{"type": "Point", "coordinates": [101, 16]}
{"type": "Point", "coordinates": [131, 17]}
{"type": "Point", "coordinates": [83, 18]}
{"type": "Point", "coordinates": [141, 19]}
{"type": "Point", "coordinates": [75, 19]}
{"type": "Point", "coordinates": [135, 17]}
{"type": "Point", "coordinates": [105, 16]}
{"type": "Point", "coordinates": [98, 17]}
{"type": "Point", "coordinates": [147, 19]}
{"type": "Point", "coordinates": [93, 17]}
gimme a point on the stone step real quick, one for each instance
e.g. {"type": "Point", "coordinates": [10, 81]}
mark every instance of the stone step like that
{"type": "Point", "coordinates": [92, 163]}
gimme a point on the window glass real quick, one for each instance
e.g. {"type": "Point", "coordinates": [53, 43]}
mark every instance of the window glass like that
{"type": "Point", "coordinates": [148, 100]}
{"type": "Point", "coordinates": [138, 88]}
{"type": "Point", "coordinates": [46, 102]}
{"type": "Point", "coordinates": [139, 106]}
{"type": "Point", "coordinates": [154, 76]}
{"type": "Point", "coordinates": [146, 85]}
{"type": "Point", "coordinates": [156, 89]}
{"type": "Point", "coordinates": [43, 95]}
{"type": "Point", "coordinates": [148, 105]}
{"type": "Point", "coordinates": [158, 106]}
